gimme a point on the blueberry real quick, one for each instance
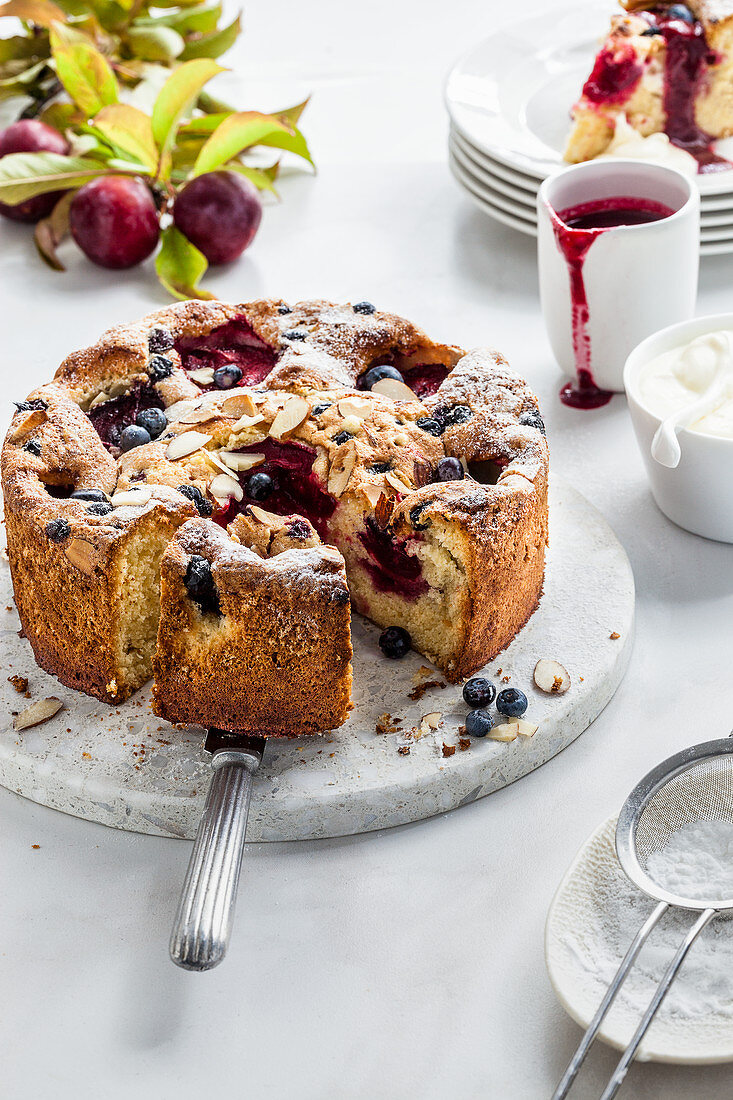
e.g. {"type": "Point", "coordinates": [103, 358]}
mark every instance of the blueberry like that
{"type": "Point", "coordinates": [133, 436]}
{"type": "Point", "coordinates": [479, 692]}
{"type": "Point", "coordinates": [159, 367]}
{"type": "Point", "coordinates": [227, 376]}
{"type": "Point", "coordinates": [200, 585]}
{"type": "Point", "coordinates": [532, 419]}
{"type": "Point", "coordinates": [58, 530]}
{"type": "Point", "coordinates": [154, 421]}
{"type": "Point", "coordinates": [479, 723]}
{"type": "Point", "coordinates": [650, 32]}
{"type": "Point", "coordinates": [680, 11]}
{"type": "Point", "coordinates": [203, 506]}
{"type": "Point", "coordinates": [100, 508]}
{"type": "Point", "coordinates": [33, 447]}
{"type": "Point", "coordinates": [364, 307]}
{"type": "Point", "coordinates": [294, 335]}
{"type": "Point", "coordinates": [89, 494]}
{"type": "Point", "coordinates": [342, 437]}
{"type": "Point", "coordinates": [160, 339]}
{"type": "Point", "coordinates": [380, 467]}
{"type": "Point", "coordinates": [282, 310]}
{"type": "Point", "coordinates": [430, 424]}
{"type": "Point", "coordinates": [449, 469]}
{"type": "Point", "coordinates": [416, 516]}
{"type": "Point", "coordinates": [458, 414]}
{"type": "Point", "coordinates": [318, 409]}
{"type": "Point", "coordinates": [512, 702]}
{"type": "Point", "coordinates": [29, 406]}
{"type": "Point", "coordinates": [259, 485]}
{"type": "Point", "coordinates": [376, 374]}
{"type": "Point", "coordinates": [299, 529]}
{"type": "Point", "coordinates": [395, 642]}
{"type": "Point", "coordinates": [340, 596]}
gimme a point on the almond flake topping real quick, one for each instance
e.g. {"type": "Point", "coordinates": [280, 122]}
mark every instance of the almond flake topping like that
{"type": "Point", "coordinates": [132, 497]}
{"type": "Point", "coordinates": [224, 486]}
{"type": "Point", "coordinates": [204, 376]}
{"type": "Point", "coordinates": [394, 389]}
{"type": "Point", "coordinates": [37, 712]}
{"type": "Point", "coordinates": [240, 462]}
{"type": "Point", "coordinates": [270, 519]}
{"type": "Point", "coordinates": [239, 404]}
{"type": "Point", "coordinates": [185, 444]}
{"type": "Point", "coordinates": [397, 483]}
{"type": "Point", "coordinates": [82, 555]}
{"type": "Point", "coordinates": [342, 469]}
{"type": "Point", "coordinates": [290, 417]}
{"type": "Point", "coordinates": [372, 493]}
{"type": "Point", "coordinates": [551, 677]}
{"type": "Point", "coordinates": [247, 422]}
{"type": "Point", "coordinates": [352, 424]}
{"type": "Point", "coordinates": [355, 406]}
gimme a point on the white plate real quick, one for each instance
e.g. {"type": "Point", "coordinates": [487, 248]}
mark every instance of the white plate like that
{"type": "Point", "coordinates": [477, 195]}
{"type": "Point", "coordinates": [466, 156]}
{"type": "Point", "coordinates": [575, 932]}
{"type": "Point", "coordinates": [510, 96]}
{"type": "Point", "coordinates": [526, 210]}
{"type": "Point", "coordinates": [518, 182]}
{"type": "Point", "coordinates": [718, 249]}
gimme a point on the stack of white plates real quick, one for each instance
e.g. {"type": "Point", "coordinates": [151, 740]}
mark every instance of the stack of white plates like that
{"type": "Point", "coordinates": [509, 100]}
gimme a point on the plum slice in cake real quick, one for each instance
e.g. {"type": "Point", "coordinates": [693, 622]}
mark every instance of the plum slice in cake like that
{"type": "Point", "coordinates": [668, 68]}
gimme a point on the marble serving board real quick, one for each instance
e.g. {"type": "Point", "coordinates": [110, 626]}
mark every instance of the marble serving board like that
{"type": "Point", "coordinates": [124, 767]}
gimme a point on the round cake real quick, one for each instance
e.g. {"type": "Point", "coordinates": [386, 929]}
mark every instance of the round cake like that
{"type": "Point", "coordinates": [278, 464]}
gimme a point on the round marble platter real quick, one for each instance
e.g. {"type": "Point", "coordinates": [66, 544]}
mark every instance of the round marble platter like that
{"type": "Point", "coordinates": [124, 767]}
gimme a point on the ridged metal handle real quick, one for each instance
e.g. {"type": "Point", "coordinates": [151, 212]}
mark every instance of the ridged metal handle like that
{"type": "Point", "coordinates": [203, 921]}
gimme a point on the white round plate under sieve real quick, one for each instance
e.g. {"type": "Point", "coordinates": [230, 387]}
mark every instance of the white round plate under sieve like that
{"type": "Point", "coordinates": [576, 937]}
{"type": "Point", "coordinates": [353, 780]}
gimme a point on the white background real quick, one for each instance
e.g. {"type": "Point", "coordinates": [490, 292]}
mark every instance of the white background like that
{"type": "Point", "coordinates": [400, 964]}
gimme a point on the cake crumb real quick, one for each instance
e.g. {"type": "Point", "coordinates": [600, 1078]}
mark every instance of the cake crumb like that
{"type": "Point", "coordinates": [36, 846]}
{"type": "Point", "coordinates": [86, 756]}
{"type": "Point", "coordinates": [448, 750]}
{"type": "Point", "coordinates": [403, 750]}
{"type": "Point", "coordinates": [419, 690]}
{"type": "Point", "coordinates": [20, 683]}
{"type": "Point", "coordinates": [387, 724]}
{"type": "Point", "coordinates": [614, 635]}
{"type": "Point", "coordinates": [464, 743]}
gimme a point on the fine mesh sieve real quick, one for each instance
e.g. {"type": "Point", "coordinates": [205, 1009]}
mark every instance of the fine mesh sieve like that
{"type": "Point", "coordinates": [695, 785]}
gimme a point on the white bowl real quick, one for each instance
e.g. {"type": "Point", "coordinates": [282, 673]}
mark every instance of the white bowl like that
{"type": "Point", "coordinates": [698, 493]}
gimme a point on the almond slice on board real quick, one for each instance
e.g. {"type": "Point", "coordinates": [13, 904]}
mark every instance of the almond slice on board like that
{"type": "Point", "coordinates": [185, 444]}
{"type": "Point", "coordinates": [551, 677]}
{"type": "Point", "coordinates": [37, 712]}
{"type": "Point", "coordinates": [396, 390]}
{"type": "Point", "coordinates": [290, 417]}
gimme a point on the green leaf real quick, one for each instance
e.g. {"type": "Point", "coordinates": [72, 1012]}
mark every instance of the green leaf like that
{"type": "Point", "coordinates": [262, 178]}
{"type": "Point", "coordinates": [291, 142]}
{"type": "Point", "coordinates": [155, 43]}
{"type": "Point", "coordinates": [23, 175]}
{"type": "Point", "coordinates": [213, 45]}
{"type": "Point", "coordinates": [19, 48]}
{"type": "Point", "coordinates": [237, 132]}
{"type": "Point", "coordinates": [61, 116]}
{"type": "Point", "coordinates": [41, 12]}
{"type": "Point", "coordinates": [50, 232]}
{"type": "Point", "coordinates": [291, 115]}
{"type": "Point", "coordinates": [180, 265]}
{"type": "Point", "coordinates": [177, 97]}
{"type": "Point", "coordinates": [197, 19]}
{"type": "Point", "coordinates": [130, 130]}
{"type": "Point", "coordinates": [202, 126]}
{"type": "Point", "coordinates": [83, 70]}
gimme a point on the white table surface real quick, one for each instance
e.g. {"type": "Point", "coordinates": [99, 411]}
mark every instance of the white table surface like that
{"type": "Point", "coordinates": [407, 963]}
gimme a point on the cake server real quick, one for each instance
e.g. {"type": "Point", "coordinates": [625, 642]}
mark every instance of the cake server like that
{"type": "Point", "coordinates": [203, 921]}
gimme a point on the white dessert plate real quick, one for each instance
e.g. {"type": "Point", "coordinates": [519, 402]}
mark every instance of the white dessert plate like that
{"type": "Point", "coordinates": [477, 195]}
{"type": "Point", "coordinates": [526, 210]}
{"type": "Point", "coordinates": [522, 199]}
{"type": "Point", "coordinates": [519, 184]}
{"type": "Point", "coordinates": [581, 961]}
{"type": "Point", "coordinates": [510, 96]}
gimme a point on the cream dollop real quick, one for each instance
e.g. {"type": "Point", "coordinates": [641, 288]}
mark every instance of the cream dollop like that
{"type": "Point", "coordinates": [629, 143]}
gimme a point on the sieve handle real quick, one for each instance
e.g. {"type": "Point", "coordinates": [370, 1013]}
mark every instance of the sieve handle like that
{"type": "Point", "coordinates": [620, 976]}
{"type": "Point", "coordinates": [661, 992]}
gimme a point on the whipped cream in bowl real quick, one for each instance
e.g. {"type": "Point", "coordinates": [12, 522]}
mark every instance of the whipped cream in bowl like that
{"type": "Point", "coordinates": [679, 385]}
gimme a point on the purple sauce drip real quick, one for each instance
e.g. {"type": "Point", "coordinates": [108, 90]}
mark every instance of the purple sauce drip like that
{"type": "Point", "coordinates": [235, 342]}
{"type": "Point", "coordinates": [390, 567]}
{"type": "Point", "coordinates": [614, 77]}
{"type": "Point", "coordinates": [425, 378]}
{"type": "Point", "coordinates": [112, 416]}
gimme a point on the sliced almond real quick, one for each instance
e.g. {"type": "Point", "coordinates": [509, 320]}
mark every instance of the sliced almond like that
{"type": "Point", "coordinates": [224, 486]}
{"type": "Point", "coordinates": [200, 414]}
{"type": "Point", "coordinates": [352, 424]}
{"type": "Point", "coordinates": [507, 731]}
{"type": "Point", "coordinates": [355, 406]}
{"type": "Point", "coordinates": [270, 519]}
{"type": "Point", "coordinates": [82, 555]}
{"type": "Point", "coordinates": [383, 511]}
{"type": "Point", "coordinates": [342, 469]}
{"type": "Point", "coordinates": [401, 440]}
{"type": "Point", "coordinates": [551, 677]}
{"type": "Point", "coordinates": [37, 712]}
{"type": "Point", "coordinates": [240, 462]}
{"type": "Point", "coordinates": [291, 416]}
{"type": "Point", "coordinates": [393, 388]}
{"type": "Point", "coordinates": [98, 400]}
{"type": "Point", "coordinates": [213, 459]}
{"type": "Point", "coordinates": [432, 719]}
{"type": "Point", "coordinates": [397, 482]}
{"type": "Point", "coordinates": [373, 493]}
{"type": "Point", "coordinates": [239, 404]}
{"type": "Point", "coordinates": [185, 444]}
{"type": "Point", "coordinates": [525, 728]}
{"type": "Point", "coordinates": [247, 422]}
{"type": "Point", "coordinates": [133, 498]}
{"type": "Point", "coordinates": [32, 419]}
{"type": "Point", "coordinates": [204, 376]}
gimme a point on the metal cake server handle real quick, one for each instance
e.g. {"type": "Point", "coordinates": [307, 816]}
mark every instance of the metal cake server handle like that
{"type": "Point", "coordinates": [203, 921]}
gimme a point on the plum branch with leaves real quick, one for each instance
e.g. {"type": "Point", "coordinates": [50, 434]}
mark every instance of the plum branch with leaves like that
{"type": "Point", "coordinates": [119, 179]}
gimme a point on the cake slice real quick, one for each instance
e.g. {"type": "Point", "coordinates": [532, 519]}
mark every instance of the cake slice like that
{"type": "Point", "coordinates": [668, 68]}
{"type": "Point", "coordinates": [253, 639]}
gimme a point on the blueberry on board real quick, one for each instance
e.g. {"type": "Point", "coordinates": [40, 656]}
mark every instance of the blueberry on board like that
{"type": "Point", "coordinates": [342, 437]}
{"type": "Point", "coordinates": [532, 419]}
{"type": "Point", "coordinates": [133, 436]}
{"type": "Point", "coordinates": [364, 307]}
{"type": "Point", "coordinates": [512, 702]}
{"type": "Point", "coordinates": [58, 530]}
{"type": "Point", "coordinates": [318, 409]}
{"type": "Point", "coordinates": [294, 335]}
{"type": "Point", "coordinates": [203, 506]}
{"type": "Point", "coordinates": [89, 494]}
{"type": "Point", "coordinates": [457, 414]}
{"type": "Point", "coordinates": [227, 376]}
{"type": "Point", "coordinates": [430, 425]}
{"type": "Point", "coordinates": [100, 508]}
{"type": "Point", "coordinates": [33, 447]}
{"type": "Point", "coordinates": [479, 723]}
{"type": "Point", "coordinates": [449, 469]}
{"type": "Point", "coordinates": [200, 584]}
{"type": "Point", "coordinates": [376, 374]}
{"type": "Point", "coordinates": [479, 692]}
{"type": "Point", "coordinates": [160, 367]}
{"type": "Point", "coordinates": [259, 485]}
{"type": "Point", "coordinates": [159, 339]}
{"type": "Point", "coordinates": [395, 642]}
{"type": "Point", "coordinates": [154, 421]}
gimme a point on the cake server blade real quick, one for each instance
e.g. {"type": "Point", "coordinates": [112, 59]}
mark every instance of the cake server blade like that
{"type": "Point", "coordinates": [203, 921]}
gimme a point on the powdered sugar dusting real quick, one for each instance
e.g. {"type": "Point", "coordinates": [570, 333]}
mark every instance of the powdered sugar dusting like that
{"type": "Point", "coordinates": [696, 862]}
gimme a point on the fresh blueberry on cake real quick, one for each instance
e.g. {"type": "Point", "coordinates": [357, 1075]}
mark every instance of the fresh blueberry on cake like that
{"type": "Point", "coordinates": [666, 68]}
